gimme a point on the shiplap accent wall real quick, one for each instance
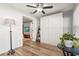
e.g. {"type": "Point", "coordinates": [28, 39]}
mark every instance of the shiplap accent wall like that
{"type": "Point", "coordinates": [76, 21]}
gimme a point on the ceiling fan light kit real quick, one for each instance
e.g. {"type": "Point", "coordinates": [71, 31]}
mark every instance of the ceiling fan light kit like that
{"type": "Point", "coordinates": [39, 9]}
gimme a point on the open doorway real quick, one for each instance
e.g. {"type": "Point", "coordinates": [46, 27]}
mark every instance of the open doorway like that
{"type": "Point", "coordinates": [27, 29]}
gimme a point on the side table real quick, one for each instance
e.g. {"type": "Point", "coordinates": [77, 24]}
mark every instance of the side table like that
{"type": "Point", "coordinates": [66, 51]}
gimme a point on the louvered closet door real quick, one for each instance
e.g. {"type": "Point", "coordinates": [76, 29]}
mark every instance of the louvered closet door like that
{"type": "Point", "coordinates": [51, 28]}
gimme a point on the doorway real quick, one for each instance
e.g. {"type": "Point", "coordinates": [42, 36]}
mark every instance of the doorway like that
{"type": "Point", "coordinates": [27, 29]}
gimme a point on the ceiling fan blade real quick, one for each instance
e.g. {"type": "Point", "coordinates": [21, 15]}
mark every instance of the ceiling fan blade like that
{"type": "Point", "coordinates": [43, 12]}
{"type": "Point", "coordinates": [35, 11]}
{"type": "Point", "coordinates": [31, 6]}
{"type": "Point", "coordinates": [47, 7]}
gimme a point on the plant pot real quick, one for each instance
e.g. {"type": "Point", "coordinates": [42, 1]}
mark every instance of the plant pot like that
{"type": "Point", "coordinates": [75, 51]}
{"type": "Point", "coordinates": [68, 43]}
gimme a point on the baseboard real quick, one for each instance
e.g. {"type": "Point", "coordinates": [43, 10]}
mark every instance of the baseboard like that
{"type": "Point", "coordinates": [1, 52]}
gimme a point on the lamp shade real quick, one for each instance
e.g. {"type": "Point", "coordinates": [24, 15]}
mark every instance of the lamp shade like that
{"type": "Point", "coordinates": [9, 21]}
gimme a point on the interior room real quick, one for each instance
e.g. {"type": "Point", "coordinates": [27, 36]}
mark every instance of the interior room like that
{"type": "Point", "coordinates": [39, 29]}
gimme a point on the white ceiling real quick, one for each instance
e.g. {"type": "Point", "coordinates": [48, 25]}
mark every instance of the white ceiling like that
{"type": "Point", "coordinates": [57, 7]}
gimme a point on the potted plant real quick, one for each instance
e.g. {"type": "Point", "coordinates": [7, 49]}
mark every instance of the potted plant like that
{"type": "Point", "coordinates": [67, 40]}
{"type": "Point", "coordinates": [75, 48]}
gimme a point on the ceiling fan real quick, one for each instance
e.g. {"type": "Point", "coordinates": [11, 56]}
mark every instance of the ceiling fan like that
{"type": "Point", "coordinates": [39, 8]}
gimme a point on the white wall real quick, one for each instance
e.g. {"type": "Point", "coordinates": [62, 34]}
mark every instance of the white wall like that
{"type": "Point", "coordinates": [27, 24]}
{"type": "Point", "coordinates": [5, 12]}
{"type": "Point", "coordinates": [68, 22]}
{"type": "Point", "coordinates": [76, 21]}
{"type": "Point", "coordinates": [51, 28]}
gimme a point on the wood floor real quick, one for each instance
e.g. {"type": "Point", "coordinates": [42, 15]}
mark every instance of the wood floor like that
{"type": "Point", "coordinates": [36, 49]}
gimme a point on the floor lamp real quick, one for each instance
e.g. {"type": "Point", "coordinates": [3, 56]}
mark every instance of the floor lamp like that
{"type": "Point", "coordinates": [10, 22]}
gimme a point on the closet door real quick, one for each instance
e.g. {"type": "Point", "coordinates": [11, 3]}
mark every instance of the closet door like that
{"type": "Point", "coordinates": [51, 29]}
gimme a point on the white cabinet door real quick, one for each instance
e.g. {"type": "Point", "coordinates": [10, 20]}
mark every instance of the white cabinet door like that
{"type": "Point", "coordinates": [51, 28]}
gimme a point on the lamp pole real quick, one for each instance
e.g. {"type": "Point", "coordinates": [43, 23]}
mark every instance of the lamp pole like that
{"type": "Point", "coordinates": [11, 51]}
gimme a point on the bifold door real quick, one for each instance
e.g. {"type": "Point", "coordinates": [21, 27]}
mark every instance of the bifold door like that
{"type": "Point", "coordinates": [51, 28]}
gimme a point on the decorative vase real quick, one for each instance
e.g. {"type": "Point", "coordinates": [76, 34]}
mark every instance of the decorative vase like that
{"type": "Point", "coordinates": [68, 43]}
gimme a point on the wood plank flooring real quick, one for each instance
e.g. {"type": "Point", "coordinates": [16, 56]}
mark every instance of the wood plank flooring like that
{"type": "Point", "coordinates": [36, 49]}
